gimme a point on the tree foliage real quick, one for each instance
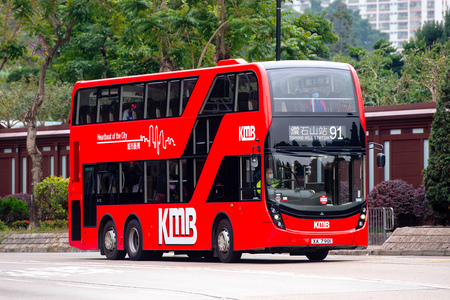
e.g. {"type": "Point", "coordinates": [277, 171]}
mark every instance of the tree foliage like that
{"type": "Point", "coordinates": [148, 36]}
{"type": "Point", "coordinates": [18, 97]}
{"type": "Point", "coordinates": [437, 174]}
{"type": "Point", "coordinates": [13, 13]}
{"type": "Point", "coordinates": [352, 30]}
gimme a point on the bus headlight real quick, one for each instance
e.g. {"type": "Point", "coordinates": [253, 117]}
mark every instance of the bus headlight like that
{"type": "Point", "coordinates": [362, 217]}
{"type": "Point", "coordinates": [276, 216]}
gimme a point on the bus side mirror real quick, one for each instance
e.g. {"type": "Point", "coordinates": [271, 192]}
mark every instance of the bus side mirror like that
{"type": "Point", "coordinates": [307, 170]}
{"type": "Point", "coordinates": [254, 161]}
{"type": "Point", "coordinates": [381, 160]}
{"type": "Point", "coordinates": [254, 158]}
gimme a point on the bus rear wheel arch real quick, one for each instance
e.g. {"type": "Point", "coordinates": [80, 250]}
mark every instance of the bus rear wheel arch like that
{"type": "Point", "coordinates": [224, 243]}
{"type": "Point", "coordinates": [109, 242]}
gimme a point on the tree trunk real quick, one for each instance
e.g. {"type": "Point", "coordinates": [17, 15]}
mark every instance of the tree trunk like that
{"type": "Point", "coordinates": [33, 151]}
{"type": "Point", "coordinates": [221, 52]}
{"type": "Point", "coordinates": [3, 62]}
{"type": "Point", "coordinates": [30, 120]}
{"type": "Point", "coordinates": [36, 168]}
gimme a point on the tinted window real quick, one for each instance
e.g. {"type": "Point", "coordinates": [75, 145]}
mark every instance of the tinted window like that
{"type": "Point", "coordinates": [132, 102]}
{"type": "Point", "coordinates": [221, 97]}
{"type": "Point", "coordinates": [312, 90]}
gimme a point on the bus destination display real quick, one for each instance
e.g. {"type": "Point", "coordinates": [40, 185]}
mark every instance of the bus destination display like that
{"type": "Point", "coordinates": [316, 133]}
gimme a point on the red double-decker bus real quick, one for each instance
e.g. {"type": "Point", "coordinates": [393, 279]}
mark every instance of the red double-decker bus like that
{"type": "Point", "coordinates": [243, 157]}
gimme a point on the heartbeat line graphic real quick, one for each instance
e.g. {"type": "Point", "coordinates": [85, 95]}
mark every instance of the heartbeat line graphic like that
{"type": "Point", "coordinates": [157, 138]}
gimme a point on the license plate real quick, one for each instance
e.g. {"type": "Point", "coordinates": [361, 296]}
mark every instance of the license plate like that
{"type": "Point", "coordinates": [321, 241]}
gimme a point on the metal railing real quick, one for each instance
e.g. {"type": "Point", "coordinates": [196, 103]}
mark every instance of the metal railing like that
{"type": "Point", "coordinates": [381, 220]}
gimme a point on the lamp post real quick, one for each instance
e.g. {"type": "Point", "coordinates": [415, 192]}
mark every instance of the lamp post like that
{"type": "Point", "coordinates": [278, 32]}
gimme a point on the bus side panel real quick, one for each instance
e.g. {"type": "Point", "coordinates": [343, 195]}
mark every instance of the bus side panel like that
{"type": "Point", "coordinates": [253, 228]}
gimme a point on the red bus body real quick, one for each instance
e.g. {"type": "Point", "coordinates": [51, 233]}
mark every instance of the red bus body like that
{"type": "Point", "coordinates": [155, 144]}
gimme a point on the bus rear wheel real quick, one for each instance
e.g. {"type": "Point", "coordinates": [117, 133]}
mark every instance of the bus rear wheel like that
{"type": "Point", "coordinates": [133, 241]}
{"type": "Point", "coordinates": [224, 243]}
{"type": "Point", "coordinates": [317, 255]}
{"type": "Point", "coordinates": [109, 242]}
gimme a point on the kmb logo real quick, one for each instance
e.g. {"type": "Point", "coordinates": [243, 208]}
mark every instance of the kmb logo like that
{"type": "Point", "coordinates": [247, 133]}
{"type": "Point", "coordinates": [321, 224]}
{"type": "Point", "coordinates": [181, 223]}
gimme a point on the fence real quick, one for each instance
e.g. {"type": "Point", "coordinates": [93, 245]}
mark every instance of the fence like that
{"type": "Point", "coordinates": [381, 219]}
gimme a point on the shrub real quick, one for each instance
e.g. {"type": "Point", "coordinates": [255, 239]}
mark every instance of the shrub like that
{"type": "Point", "coordinates": [50, 224]}
{"type": "Point", "coordinates": [12, 209]}
{"type": "Point", "coordinates": [3, 226]}
{"type": "Point", "coordinates": [399, 195]}
{"type": "Point", "coordinates": [52, 195]}
{"type": "Point", "coordinates": [24, 197]}
{"type": "Point", "coordinates": [20, 224]}
{"type": "Point", "coordinates": [422, 208]}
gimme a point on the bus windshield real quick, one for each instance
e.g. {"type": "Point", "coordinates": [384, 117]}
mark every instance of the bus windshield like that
{"type": "Point", "coordinates": [312, 179]}
{"type": "Point", "coordinates": [312, 90]}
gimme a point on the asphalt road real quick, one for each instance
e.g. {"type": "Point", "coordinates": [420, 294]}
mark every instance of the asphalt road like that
{"type": "Point", "coordinates": [91, 276]}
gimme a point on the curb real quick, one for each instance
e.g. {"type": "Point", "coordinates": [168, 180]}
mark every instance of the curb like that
{"type": "Point", "coordinates": [36, 242]}
{"type": "Point", "coordinates": [381, 252]}
{"type": "Point", "coordinates": [59, 242]}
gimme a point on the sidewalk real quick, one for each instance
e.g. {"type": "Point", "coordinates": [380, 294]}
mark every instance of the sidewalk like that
{"type": "Point", "coordinates": [423, 240]}
{"type": "Point", "coordinates": [377, 250]}
{"type": "Point", "coordinates": [408, 241]}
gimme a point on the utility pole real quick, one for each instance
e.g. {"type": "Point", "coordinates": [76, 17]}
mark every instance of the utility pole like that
{"type": "Point", "coordinates": [278, 33]}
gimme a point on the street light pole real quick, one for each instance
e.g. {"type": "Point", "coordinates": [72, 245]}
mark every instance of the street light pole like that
{"type": "Point", "coordinates": [278, 33]}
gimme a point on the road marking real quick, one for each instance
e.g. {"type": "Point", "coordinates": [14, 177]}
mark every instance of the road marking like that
{"type": "Point", "coordinates": [14, 279]}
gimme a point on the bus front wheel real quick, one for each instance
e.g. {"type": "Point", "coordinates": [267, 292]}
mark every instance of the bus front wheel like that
{"type": "Point", "coordinates": [224, 243]}
{"type": "Point", "coordinates": [109, 242]}
{"type": "Point", "coordinates": [317, 255]}
{"type": "Point", "coordinates": [133, 241]}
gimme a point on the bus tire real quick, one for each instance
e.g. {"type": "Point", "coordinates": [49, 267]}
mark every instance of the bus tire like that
{"type": "Point", "coordinates": [109, 242]}
{"type": "Point", "coordinates": [133, 241]}
{"type": "Point", "coordinates": [318, 255]}
{"type": "Point", "coordinates": [224, 243]}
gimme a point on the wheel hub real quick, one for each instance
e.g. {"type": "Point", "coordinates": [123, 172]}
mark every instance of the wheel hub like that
{"type": "Point", "coordinates": [133, 240]}
{"type": "Point", "coordinates": [110, 239]}
{"type": "Point", "coordinates": [223, 241]}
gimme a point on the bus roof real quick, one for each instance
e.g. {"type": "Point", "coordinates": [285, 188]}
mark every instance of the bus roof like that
{"type": "Point", "coordinates": [224, 63]}
{"type": "Point", "coordinates": [303, 64]}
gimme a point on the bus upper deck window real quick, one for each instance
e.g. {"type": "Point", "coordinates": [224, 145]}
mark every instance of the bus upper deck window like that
{"type": "Point", "coordinates": [85, 109]}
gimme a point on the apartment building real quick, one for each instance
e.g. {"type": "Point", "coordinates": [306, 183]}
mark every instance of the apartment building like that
{"type": "Point", "coordinates": [399, 18]}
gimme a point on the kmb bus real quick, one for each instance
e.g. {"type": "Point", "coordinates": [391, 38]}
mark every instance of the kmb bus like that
{"type": "Point", "coordinates": [243, 157]}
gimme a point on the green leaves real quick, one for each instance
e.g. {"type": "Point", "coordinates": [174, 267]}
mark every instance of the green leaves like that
{"type": "Point", "coordinates": [52, 195]}
{"type": "Point", "coordinates": [437, 174]}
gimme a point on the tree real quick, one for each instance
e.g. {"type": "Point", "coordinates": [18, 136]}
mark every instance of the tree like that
{"type": "Point", "coordinates": [15, 99]}
{"type": "Point", "coordinates": [53, 22]}
{"type": "Point", "coordinates": [426, 68]}
{"type": "Point", "coordinates": [430, 32]}
{"type": "Point", "coordinates": [378, 85]}
{"type": "Point", "coordinates": [437, 174]}
{"type": "Point", "coordinates": [89, 53]}
{"type": "Point", "coordinates": [12, 16]}
{"type": "Point", "coordinates": [342, 22]}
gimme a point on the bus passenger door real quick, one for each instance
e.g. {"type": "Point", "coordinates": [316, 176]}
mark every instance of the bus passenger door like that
{"type": "Point", "coordinates": [89, 196]}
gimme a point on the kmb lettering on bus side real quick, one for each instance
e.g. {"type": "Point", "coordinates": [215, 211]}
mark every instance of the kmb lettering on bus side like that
{"type": "Point", "coordinates": [181, 223]}
{"type": "Point", "coordinates": [247, 133]}
{"type": "Point", "coordinates": [321, 224]}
